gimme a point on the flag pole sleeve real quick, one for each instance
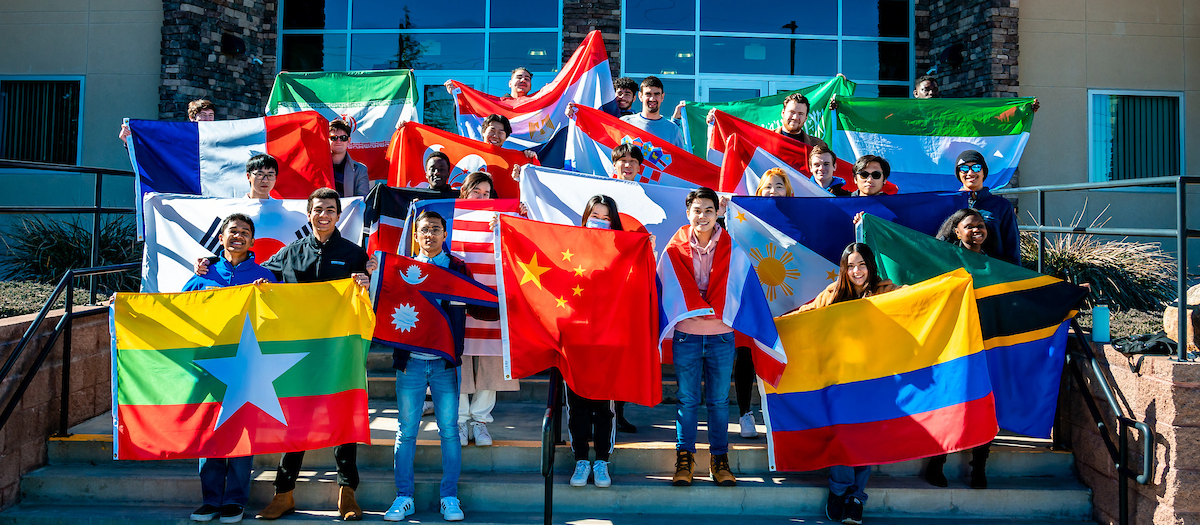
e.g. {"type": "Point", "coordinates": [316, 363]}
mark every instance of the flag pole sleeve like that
{"type": "Point", "coordinates": [500, 299]}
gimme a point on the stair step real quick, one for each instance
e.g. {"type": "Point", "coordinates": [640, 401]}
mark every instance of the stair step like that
{"type": "Point", "coordinates": [773, 495]}
{"type": "Point", "coordinates": [381, 384]}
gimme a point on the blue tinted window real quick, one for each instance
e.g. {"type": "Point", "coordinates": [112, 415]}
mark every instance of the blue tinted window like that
{"type": "Point", "coordinates": [417, 51]}
{"type": "Point", "coordinates": [525, 13]}
{"type": "Point", "coordinates": [731, 94]}
{"type": "Point", "coordinates": [536, 51]}
{"type": "Point", "coordinates": [810, 17]}
{"type": "Point", "coordinates": [314, 14]}
{"type": "Point", "coordinates": [888, 18]}
{"type": "Point", "coordinates": [767, 56]}
{"type": "Point", "coordinates": [875, 60]}
{"type": "Point", "coordinates": [303, 53]}
{"type": "Point", "coordinates": [660, 14]}
{"type": "Point", "coordinates": [660, 54]}
{"type": "Point", "coordinates": [412, 14]}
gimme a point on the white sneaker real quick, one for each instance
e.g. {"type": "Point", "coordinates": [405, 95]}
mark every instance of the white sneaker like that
{"type": "Point", "coordinates": [600, 474]}
{"type": "Point", "coordinates": [463, 435]}
{"type": "Point", "coordinates": [427, 408]}
{"type": "Point", "coordinates": [583, 468]}
{"type": "Point", "coordinates": [400, 509]}
{"type": "Point", "coordinates": [482, 437]}
{"type": "Point", "coordinates": [748, 429]}
{"type": "Point", "coordinates": [451, 509]}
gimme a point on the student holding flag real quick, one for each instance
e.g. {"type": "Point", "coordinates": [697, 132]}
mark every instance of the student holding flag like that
{"type": "Point", "coordinates": [627, 162]}
{"type": "Point", "coordinates": [496, 129]}
{"type": "Point", "coordinates": [349, 176]}
{"type": "Point", "coordinates": [822, 162]}
{"type": "Point", "coordinates": [651, 119]}
{"type": "Point", "coordinates": [870, 175]}
{"type": "Point", "coordinates": [997, 212]}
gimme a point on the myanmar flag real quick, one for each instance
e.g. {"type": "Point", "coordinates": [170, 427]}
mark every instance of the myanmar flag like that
{"type": "Point", "coordinates": [238, 371]}
{"type": "Point", "coordinates": [582, 300]}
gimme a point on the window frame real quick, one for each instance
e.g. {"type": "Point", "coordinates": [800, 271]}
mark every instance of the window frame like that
{"type": "Point", "coordinates": [1093, 174]}
{"type": "Point", "coordinates": [82, 80]}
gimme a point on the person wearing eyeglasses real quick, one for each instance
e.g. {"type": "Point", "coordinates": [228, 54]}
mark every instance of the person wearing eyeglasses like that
{"type": "Point", "coordinates": [972, 170]}
{"type": "Point", "coordinates": [870, 175]}
{"type": "Point", "coordinates": [261, 172]}
{"type": "Point", "coordinates": [349, 177]}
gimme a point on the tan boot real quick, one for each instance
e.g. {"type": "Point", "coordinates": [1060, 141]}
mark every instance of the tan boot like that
{"type": "Point", "coordinates": [281, 505]}
{"type": "Point", "coordinates": [348, 509]}
{"type": "Point", "coordinates": [685, 462]}
{"type": "Point", "coordinates": [719, 468]}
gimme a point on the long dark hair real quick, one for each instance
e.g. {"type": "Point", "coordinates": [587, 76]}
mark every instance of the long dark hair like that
{"type": "Point", "coordinates": [614, 216]}
{"type": "Point", "coordinates": [946, 231]}
{"type": "Point", "coordinates": [844, 289]}
{"type": "Point", "coordinates": [475, 179]}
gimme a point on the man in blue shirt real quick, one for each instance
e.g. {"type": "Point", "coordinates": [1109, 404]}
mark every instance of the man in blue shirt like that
{"type": "Point", "coordinates": [225, 483]}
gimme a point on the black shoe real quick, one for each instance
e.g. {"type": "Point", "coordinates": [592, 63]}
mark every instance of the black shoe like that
{"type": "Point", "coordinates": [206, 513]}
{"type": "Point", "coordinates": [835, 507]}
{"type": "Point", "coordinates": [231, 513]}
{"type": "Point", "coordinates": [854, 509]}
{"type": "Point", "coordinates": [934, 472]}
{"type": "Point", "coordinates": [978, 478]}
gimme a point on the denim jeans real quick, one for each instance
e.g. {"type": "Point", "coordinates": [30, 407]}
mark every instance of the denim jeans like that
{"type": "Point", "coordinates": [707, 358]}
{"type": "Point", "coordinates": [842, 477]}
{"type": "Point", "coordinates": [225, 481]}
{"type": "Point", "coordinates": [410, 396]}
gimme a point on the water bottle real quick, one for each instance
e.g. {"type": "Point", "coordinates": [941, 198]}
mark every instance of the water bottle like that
{"type": "Point", "coordinates": [1100, 328]}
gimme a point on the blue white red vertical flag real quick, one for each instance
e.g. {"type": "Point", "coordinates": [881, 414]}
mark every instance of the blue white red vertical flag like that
{"type": "Point", "coordinates": [593, 134]}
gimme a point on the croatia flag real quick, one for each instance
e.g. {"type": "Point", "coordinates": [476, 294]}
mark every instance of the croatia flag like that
{"type": "Point", "coordinates": [209, 158]}
{"type": "Point", "coordinates": [593, 134]}
{"type": "Point", "coordinates": [584, 80]}
{"type": "Point", "coordinates": [413, 143]}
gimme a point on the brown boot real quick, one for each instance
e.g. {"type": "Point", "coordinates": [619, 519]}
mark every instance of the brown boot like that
{"type": "Point", "coordinates": [719, 468]}
{"type": "Point", "coordinates": [281, 505]}
{"type": "Point", "coordinates": [348, 509]}
{"type": "Point", "coordinates": [685, 462]}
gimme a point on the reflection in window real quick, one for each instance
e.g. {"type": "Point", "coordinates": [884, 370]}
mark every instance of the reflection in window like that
{"type": "Point", "coordinates": [303, 53]}
{"type": "Point", "coordinates": [438, 110]}
{"type": "Point", "coordinates": [1135, 136]}
{"type": "Point", "coordinates": [875, 60]}
{"type": "Point", "coordinates": [412, 14]}
{"type": "Point", "coordinates": [660, 14]}
{"type": "Point", "coordinates": [315, 14]}
{"type": "Point", "coordinates": [811, 17]}
{"type": "Point", "coordinates": [731, 94]}
{"type": "Point", "coordinates": [525, 13]}
{"type": "Point", "coordinates": [417, 51]}
{"type": "Point", "coordinates": [536, 51]}
{"type": "Point", "coordinates": [875, 18]}
{"type": "Point", "coordinates": [660, 54]}
{"type": "Point", "coordinates": [43, 119]}
{"type": "Point", "coordinates": [768, 56]}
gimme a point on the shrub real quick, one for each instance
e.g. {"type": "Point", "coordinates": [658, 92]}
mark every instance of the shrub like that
{"type": "Point", "coordinates": [43, 250]}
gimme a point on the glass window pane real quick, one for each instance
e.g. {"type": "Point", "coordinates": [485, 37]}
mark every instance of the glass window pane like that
{"type": "Point", "coordinates": [878, 91]}
{"type": "Point", "coordinates": [767, 56]}
{"type": "Point", "coordinates": [314, 53]}
{"type": "Point", "coordinates": [660, 14]}
{"type": "Point", "coordinates": [413, 14]}
{"type": "Point", "coordinates": [438, 108]}
{"type": "Point", "coordinates": [498, 84]}
{"type": "Point", "coordinates": [875, 60]}
{"type": "Point", "coordinates": [459, 51]}
{"type": "Point", "coordinates": [730, 94]}
{"type": "Point", "coordinates": [811, 17]}
{"type": "Point", "coordinates": [525, 13]}
{"type": "Point", "coordinates": [314, 14]}
{"type": "Point", "coordinates": [536, 51]}
{"type": "Point", "coordinates": [660, 54]}
{"type": "Point", "coordinates": [1135, 136]}
{"type": "Point", "coordinates": [875, 18]}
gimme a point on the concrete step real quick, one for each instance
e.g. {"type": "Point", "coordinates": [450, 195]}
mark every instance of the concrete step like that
{"type": "Point", "coordinates": [32, 514]}
{"type": "Point", "coordinates": [773, 495]}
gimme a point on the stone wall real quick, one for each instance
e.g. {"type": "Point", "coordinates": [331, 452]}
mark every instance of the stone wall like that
{"type": "Point", "coordinates": [581, 17]}
{"type": "Point", "coordinates": [23, 439]}
{"type": "Point", "coordinates": [1164, 394]}
{"type": "Point", "coordinates": [980, 33]}
{"type": "Point", "coordinates": [194, 65]}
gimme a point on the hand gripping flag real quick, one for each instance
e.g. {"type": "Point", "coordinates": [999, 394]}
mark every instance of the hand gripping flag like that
{"type": "Point", "coordinates": [559, 197]}
{"type": "Point", "coordinates": [892, 377]}
{"type": "Point", "coordinates": [407, 295]}
{"type": "Point", "coordinates": [766, 111]}
{"type": "Point", "coordinates": [922, 138]}
{"type": "Point", "coordinates": [386, 210]}
{"type": "Point", "coordinates": [373, 103]}
{"type": "Point", "coordinates": [593, 134]}
{"type": "Point", "coordinates": [413, 142]}
{"type": "Point", "coordinates": [240, 371]}
{"type": "Point", "coordinates": [734, 296]}
{"type": "Point", "coordinates": [585, 80]}
{"type": "Point", "coordinates": [582, 300]}
{"type": "Point", "coordinates": [1024, 317]}
{"type": "Point", "coordinates": [183, 228]}
{"type": "Point", "coordinates": [209, 158]}
{"type": "Point", "coordinates": [796, 244]}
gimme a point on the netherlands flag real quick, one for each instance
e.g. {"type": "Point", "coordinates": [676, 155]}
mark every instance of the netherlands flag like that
{"type": "Point", "coordinates": [584, 80]}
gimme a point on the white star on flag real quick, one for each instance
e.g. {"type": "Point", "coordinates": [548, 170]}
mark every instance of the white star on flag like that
{"type": "Point", "coordinates": [249, 375]}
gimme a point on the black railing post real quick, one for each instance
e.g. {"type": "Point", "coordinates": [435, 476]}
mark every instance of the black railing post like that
{"type": "Point", "coordinates": [64, 399]}
{"type": "Point", "coordinates": [95, 260]}
{"type": "Point", "coordinates": [1181, 272]}
{"type": "Point", "coordinates": [1041, 236]}
{"type": "Point", "coordinates": [1123, 477]}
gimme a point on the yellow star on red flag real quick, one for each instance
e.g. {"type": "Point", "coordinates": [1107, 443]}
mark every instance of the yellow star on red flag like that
{"type": "Point", "coordinates": [533, 272]}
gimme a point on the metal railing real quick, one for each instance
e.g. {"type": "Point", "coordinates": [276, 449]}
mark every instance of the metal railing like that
{"type": "Point", "coordinates": [551, 438]}
{"type": "Point", "coordinates": [95, 210]}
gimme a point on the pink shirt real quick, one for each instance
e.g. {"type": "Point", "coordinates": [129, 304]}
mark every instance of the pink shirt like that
{"type": "Point", "coordinates": [702, 261]}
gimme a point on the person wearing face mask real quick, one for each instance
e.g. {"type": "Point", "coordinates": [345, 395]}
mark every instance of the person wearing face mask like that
{"type": "Point", "coordinates": [858, 277]}
{"type": "Point", "coordinates": [821, 164]}
{"type": "Point", "coordinates": [971, 169]}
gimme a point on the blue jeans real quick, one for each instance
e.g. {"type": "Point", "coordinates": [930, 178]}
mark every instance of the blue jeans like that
{"type": "Point", "coordinates": [410, 396]}
{"type": "Point", "coordinates": [225, 481]}
{"type": "Point", "coordinates": [708, 358]}
{"type": "Point", "coordinates": [842, 477]}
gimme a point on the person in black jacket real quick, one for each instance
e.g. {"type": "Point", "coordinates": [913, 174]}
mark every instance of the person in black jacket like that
{"type": "Point", "coordinates": [971, 169]}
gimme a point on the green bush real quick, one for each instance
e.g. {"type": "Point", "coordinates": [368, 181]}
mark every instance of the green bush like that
{"type": "Point", "coordinates": [43, 250]}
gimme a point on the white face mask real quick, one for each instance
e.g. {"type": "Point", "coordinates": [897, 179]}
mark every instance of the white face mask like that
{"type": "Point", "coordinates": [599, 224]}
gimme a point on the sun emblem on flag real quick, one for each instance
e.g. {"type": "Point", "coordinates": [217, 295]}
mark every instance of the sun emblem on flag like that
{"type": "Point", "coordinates": [773, 271]}
{"type": "Point", "coordinates": [405, 318]}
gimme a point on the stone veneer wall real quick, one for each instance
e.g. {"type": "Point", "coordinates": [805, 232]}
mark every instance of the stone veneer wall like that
{"type": "Point", "coordinates": [194, 65]}
{"type": "Point", "coordinates": [581, 17]}
{"type": "Point", "coordinates": [987, 30]}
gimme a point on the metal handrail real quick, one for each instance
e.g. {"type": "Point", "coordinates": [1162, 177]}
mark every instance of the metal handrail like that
{"type": "Point", "coordinates": [551, 435]}
{"type": "Point", "coordinates": [65, 286]}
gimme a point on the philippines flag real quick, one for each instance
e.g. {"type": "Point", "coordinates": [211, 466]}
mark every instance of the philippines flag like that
{"type": "Point", "coordinates": [413, 143]}
{"type": "Point", "coordinates": [471, 239]}
{"type": "Point", "coordinates": [584, 80]}
{"type": "Point", "coordinates": [593, 134]}
{"type": "Point", "coordinates": [209, 158]}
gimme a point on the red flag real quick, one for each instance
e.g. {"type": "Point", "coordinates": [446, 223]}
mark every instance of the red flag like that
{"type": "Point", "coordinates": [583, 300]}
{"type": "Point", "coordinates": [413, 142]}
{"type": "Point", "coordinates": [407, 295]}
{"type": "Point", "coordinates": [664, 162]}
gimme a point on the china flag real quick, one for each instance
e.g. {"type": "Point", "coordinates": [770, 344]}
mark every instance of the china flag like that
{"type": "Point", "coordinates": [583, 300]}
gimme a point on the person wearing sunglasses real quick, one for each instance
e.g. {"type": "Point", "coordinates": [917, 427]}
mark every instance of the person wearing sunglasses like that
{"type": "Point", "coordinates": [349, 177]}
{"type": "Point", "coordinates": [870, 175]}
{"type": "Point", "coordinates": [972, 170]}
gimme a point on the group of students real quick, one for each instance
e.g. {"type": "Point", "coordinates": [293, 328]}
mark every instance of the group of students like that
{"type": "Point", "coordinates": [705, 357]}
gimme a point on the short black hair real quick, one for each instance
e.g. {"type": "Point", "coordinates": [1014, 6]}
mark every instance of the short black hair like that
{"type": "Point", "coordinates": [651, 81]}
{"type": "Point", "coordinates": [798, 98]}
{"type": "Point", "coordinates": [339, 125]}
{"type": "Point", "coordinates": [237, 217]}
{"type": "Point", "coordinates": [262, 161]}
{"type": "Point", "coordinates": [702, 193]}
{"type": "Point", "coordinates": [627, 149]}
{"type": "Point", "coordinates": [437, 155]}
{"type": "Point", "coordinates": [522, 68]}
{"type": "Point", "coordinates": [503, 120]}
{"type": "Point", "coordinates": [862, 162]}
{"type": "Point", "coordinates": [325, 193]}
{"type": "Point", "coordinates": [625, 83]}
{"type": "Point", "coordinates": [430, 215]}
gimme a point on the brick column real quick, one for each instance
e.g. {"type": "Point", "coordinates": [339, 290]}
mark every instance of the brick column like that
{"type": "Point", "coordinates": [581, 17]}
{"type": "Point", "coordinates": [986, 33]}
